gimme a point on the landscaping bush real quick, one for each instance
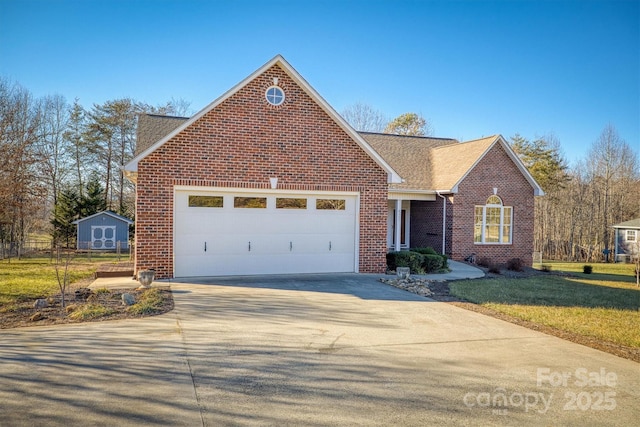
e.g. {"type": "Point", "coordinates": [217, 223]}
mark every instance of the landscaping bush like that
{"type": "Point", "coordinates": [494, 268]}
{"type": "Point", "coordinates": [425, 251]}
{"type": "Point", "coordinates": [413, 260]}
{"type": "Point", "coordinates": [515, 264]}
{"type": "Point", "coordinates": [445, 261]}
{"type": "Point", "coordinates": [484, 262]}
{"type": "Point", "coordinates": [432, 263]}
{"type": "Point", "coordinates": [587, 269]}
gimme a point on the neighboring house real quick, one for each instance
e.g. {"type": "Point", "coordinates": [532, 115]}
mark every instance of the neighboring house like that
{"type": "Point", "coordinates": [268, 178]}
{"type": "Point", "coordinates": [103, 231]}
{"type": "Point", "coordinates": [627, 236]}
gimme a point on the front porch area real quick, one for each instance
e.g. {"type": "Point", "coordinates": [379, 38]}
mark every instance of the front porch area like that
{"type": "Point", "coordinates": [417, 220]}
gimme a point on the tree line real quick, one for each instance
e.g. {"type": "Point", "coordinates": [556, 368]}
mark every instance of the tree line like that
{"type": "Point", "coordinates": [574, 219]}
{"type": "Point", "coordinates": [61, 161]}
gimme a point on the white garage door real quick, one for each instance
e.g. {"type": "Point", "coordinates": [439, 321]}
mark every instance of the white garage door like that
{"type": "Point", "coordinates": [222, 233]}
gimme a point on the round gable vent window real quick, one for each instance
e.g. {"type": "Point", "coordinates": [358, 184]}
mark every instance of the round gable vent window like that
{"type": "Point", "coordinates": [275, 95]}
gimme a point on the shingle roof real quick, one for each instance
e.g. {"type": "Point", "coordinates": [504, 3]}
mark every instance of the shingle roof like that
{"type": "Point", "coordinates": [634, 223]}
{"type": "Point", "coordinates": [425, 163]}
{"type": "Point", "coordinates": [449, 164]}
{"type": "Point", "coordinates": [409, 155]}
{"type": "Point", "coordinates": [152, 127]}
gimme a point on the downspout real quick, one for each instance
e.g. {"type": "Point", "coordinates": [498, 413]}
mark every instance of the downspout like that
{"type": "Point", "coordinates": [444, 222]}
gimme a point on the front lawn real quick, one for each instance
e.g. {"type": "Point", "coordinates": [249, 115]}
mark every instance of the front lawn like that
{"type": "Point", "coordinates": [604, 305]}
{"type": "Point", "coordinates": [23, 281]}
{"type": "Point", "coordinates": [30, 278]}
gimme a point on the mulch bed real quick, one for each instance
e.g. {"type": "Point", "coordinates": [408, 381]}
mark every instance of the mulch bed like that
{"type": "Point", "coordinates": [22, 313]}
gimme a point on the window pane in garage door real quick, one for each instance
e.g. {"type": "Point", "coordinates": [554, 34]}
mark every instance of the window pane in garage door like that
{"type": "Point", "coordinates": [330, 204]}
{"type": "Point", "coordinates": [206, 201]}
{"type": "Point", "coordinates": [250, 202]}
{"type": "Point", "coordinates": [290, 203]}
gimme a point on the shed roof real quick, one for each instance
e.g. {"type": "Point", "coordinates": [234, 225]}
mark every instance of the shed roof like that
{"type": "Point", "coordinates": [634, 223]}
{"type": "Point", "coordinates": [109, 213]}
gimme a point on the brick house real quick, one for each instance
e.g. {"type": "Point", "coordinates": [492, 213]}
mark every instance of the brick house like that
{"type": "Point", "coordinates": [268, 178]}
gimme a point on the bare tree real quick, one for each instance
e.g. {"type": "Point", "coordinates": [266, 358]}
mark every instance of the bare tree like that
{"type": "Point", "coordinates": [612, 163]}
{"type": "Point", "coordinates": [52, 148]}
{"type": "Point", "coordinates": [21, 190]}
{"type": "Point", "coordinates": [75, 140]}
{"type": "Point", "coordinates": [364, 118]}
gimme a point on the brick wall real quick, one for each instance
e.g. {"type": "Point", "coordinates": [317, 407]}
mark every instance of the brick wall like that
{"type": "Point", "coordinates": [426, 224]}
{"type": "Point", "coordinates": [243, 142]}
{"type": "Point", "coordinates": [513, 189]}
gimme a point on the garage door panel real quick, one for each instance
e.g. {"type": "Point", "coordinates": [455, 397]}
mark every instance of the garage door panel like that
{"type": "Point", "coordinates": [263, 240]}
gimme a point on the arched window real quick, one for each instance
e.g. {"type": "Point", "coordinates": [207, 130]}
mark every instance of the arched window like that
{"type": "Point", "coordinates": [493, 222]}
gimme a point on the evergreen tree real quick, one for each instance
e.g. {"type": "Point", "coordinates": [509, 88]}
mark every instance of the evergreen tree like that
{"type": "Point", "coordinates": [93, 200]}
{"type": "Point", "coordinates": [65, 212]}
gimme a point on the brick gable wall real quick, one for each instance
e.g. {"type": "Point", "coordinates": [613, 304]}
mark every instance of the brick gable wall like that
{"type": "Point", "coordinates": [495, 170]}
{"type": "Point", "coordinates": [242, 143]}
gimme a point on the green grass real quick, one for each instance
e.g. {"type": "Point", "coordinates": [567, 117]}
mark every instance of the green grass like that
{"type": "Point", "coordinates": [91, 311]}
{"type": "Point", "coordinates": [604, 305]}
{"type": "Point", "coordinates": [150, 302]}
{"type": "Point", "coordinates": [29, 278]}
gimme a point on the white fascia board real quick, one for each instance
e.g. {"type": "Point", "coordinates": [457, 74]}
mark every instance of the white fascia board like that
{"type": "Point", "coordinates": [393, 176]}
{"type": "Point", "coordinates": [133, 163]}
{"type": "Point", "coordinates": [537, 190]}
{"type": "Point", "coordinates": [109, 213]}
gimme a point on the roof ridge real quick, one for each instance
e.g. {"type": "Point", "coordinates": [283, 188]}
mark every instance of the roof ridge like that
{"type": "Point", "coordinates": [407, 136]}
{"type": "Point", "coordinates": [166, 116]}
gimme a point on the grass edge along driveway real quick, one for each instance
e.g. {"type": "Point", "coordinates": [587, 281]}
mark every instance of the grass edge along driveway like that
{"type": "Point", "coordinates": [604, 305]}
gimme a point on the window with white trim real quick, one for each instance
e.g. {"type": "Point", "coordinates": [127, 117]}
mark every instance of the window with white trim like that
{"type": "Point", "coordinates": [631, 235]}
{"type": "Point", "coordinates": [274, 95]}
{"type": "Point", "coordinates": [493, 222]}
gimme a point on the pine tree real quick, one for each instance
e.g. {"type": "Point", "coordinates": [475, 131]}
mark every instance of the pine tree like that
{"type": "Point", "coordinates": [65, 212]}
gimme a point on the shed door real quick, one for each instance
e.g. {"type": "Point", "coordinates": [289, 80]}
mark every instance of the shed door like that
{"type": "Point", "coordinates": [220, 233]}
{"type": "Point", "coordinates": [103, 236]}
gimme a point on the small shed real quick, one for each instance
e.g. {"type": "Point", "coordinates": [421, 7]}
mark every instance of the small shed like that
{"type": "Point", "coordinates": [627, 240]}
{"type": "Point", "coordinates": [103, 231]}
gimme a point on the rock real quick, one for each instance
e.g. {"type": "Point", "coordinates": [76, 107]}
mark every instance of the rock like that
{"type": "Point", "coordinates": [36, 317]}
{"type": "Point", "coordinates": [83, 293]}
{"type": "Point", "coordinates": [128, 299]}
{"type": "Point", "coordinates": [40, 303]}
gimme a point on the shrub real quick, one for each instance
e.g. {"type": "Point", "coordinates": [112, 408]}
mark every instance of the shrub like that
{"type": "Point", "coordinates": [546, 268]}
{"type": "Point", "coordinates": [445, 261]}
{"type": "Point", "coordinates": [413, 260]}
{"type": "Point", "coordinates": [587, 269]}
{"type": "Point", "coordinates": [425, 251]}
{"type": "Point", "coordinates": [432, 262]}
{"type": "Point", "coordinates": [484, 262]}
{"type": "Point", "coordinates": [494, 268]}
{"type": "Point", "coordinates": [515, 264]}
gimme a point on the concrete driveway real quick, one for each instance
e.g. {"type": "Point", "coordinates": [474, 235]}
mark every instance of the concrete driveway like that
{"type": "Point", "coordinates": [310, 350]}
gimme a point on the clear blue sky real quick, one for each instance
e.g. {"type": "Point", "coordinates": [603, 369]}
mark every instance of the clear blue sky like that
{"type": "Point", "coordinates": [474, 68]}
